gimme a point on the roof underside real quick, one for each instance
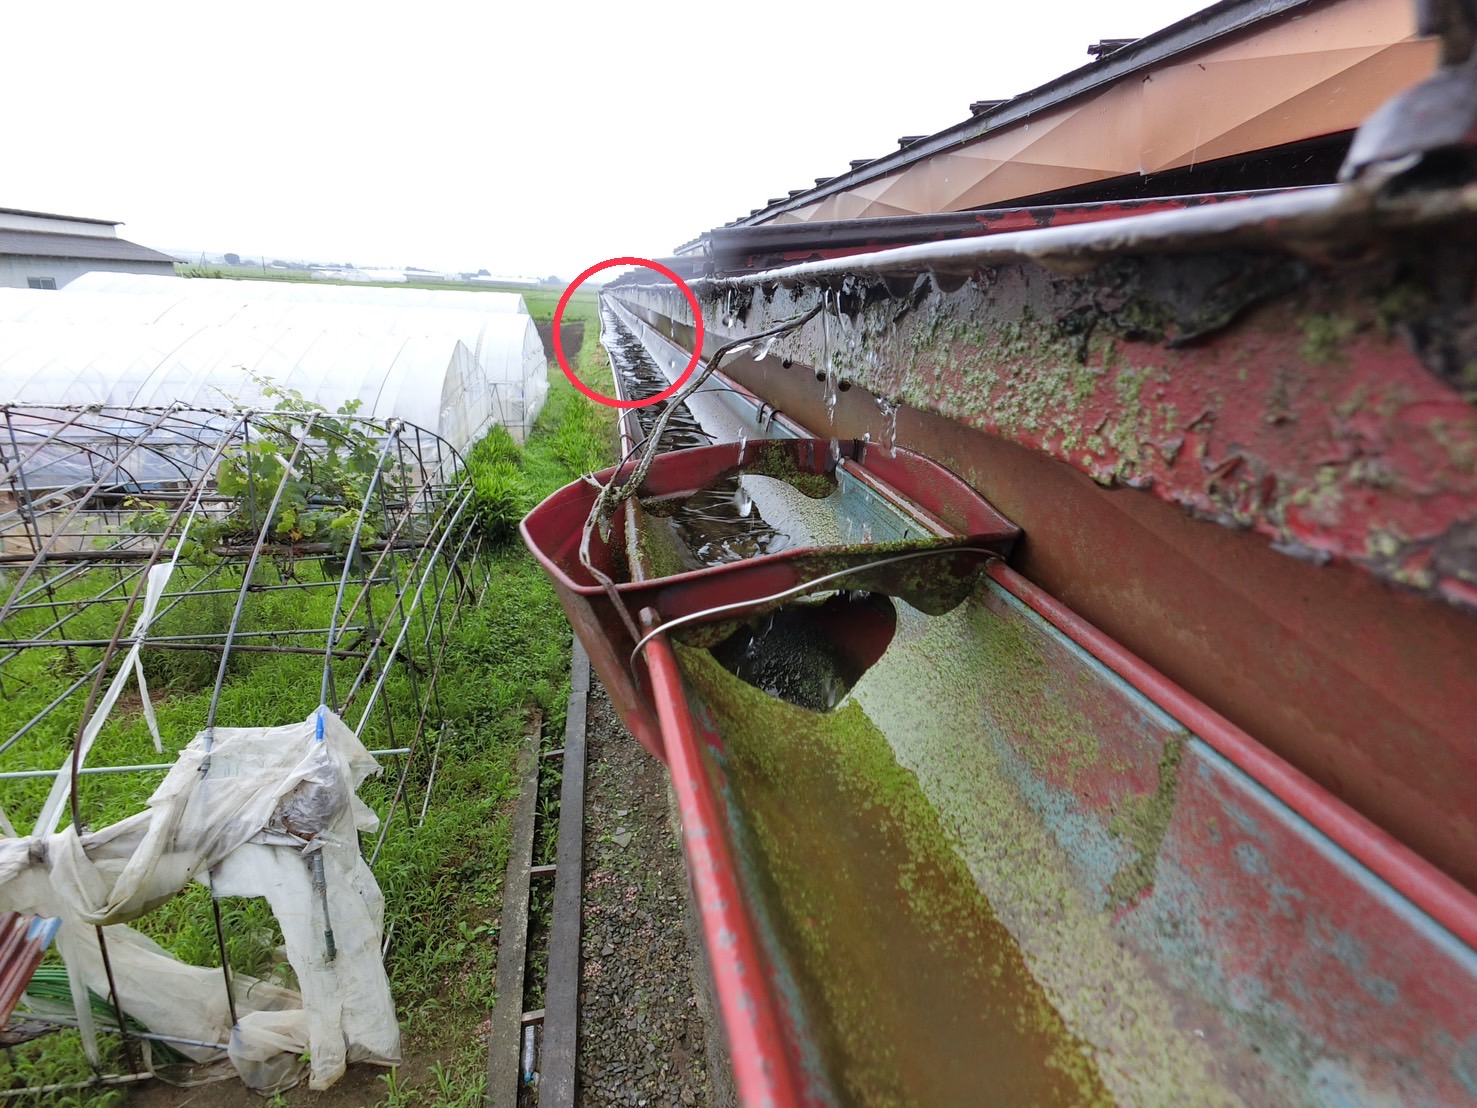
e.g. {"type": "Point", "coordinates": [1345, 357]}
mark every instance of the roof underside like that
{"type": "Point", "coordinates": [1261, 74]}
{"type": "Point", "coordinates": [48, 244]}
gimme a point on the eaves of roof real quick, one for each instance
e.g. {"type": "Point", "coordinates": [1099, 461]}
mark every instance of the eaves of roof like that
{"type": "Point", "coordinates": [1218, 20]}
{"type": "Point", "coordinates": [48, 244]}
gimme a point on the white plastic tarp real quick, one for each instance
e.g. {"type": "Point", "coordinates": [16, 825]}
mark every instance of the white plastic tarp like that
{"type": "Point", "coordinates": [269, 812]}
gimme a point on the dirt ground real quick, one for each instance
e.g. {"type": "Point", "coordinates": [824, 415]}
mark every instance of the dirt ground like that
{"type": "Point", "coordinates": [646, 1036]}
{"type": "Point", "coordinates": [571, 337]}
{"type": "Point", "coordinates": [360, 1086]}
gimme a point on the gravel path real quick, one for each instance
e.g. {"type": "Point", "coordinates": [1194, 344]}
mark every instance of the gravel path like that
{"type": "Point", "coordinates": [645, 1033]}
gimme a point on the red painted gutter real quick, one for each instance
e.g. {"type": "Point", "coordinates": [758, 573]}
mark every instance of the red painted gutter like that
{"type": "Point", "coordinates": [1432, 891]}
{"type": "Point", "coordinates": [761, 1065]}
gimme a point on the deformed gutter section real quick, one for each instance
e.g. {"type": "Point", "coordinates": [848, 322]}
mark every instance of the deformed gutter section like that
{"type": "Point", "coordinates": [1169, 815]}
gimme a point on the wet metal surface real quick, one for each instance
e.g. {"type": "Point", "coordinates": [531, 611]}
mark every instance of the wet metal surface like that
{"type": "Point", "coordinates": [644, 378]}
{"type": "Point", "coordinates": [1171, 915]}
{"type": "Point", "coordinates": [1321, 407]}
{"type": "Point", "coordinates": [1138, 873]}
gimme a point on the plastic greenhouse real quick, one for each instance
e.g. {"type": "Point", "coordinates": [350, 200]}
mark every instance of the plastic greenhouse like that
{"type": "Point", "coordinates": [451, 370]}
{"type": "Point", "coordinates": [302, 292]}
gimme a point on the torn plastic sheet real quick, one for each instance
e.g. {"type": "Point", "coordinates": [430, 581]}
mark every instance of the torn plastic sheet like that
{"type": "Point", "coordinates": [269, 812]}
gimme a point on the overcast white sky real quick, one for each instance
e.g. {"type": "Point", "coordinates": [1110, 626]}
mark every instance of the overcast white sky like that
{"type": "Point", "coordinates": [528, 138]}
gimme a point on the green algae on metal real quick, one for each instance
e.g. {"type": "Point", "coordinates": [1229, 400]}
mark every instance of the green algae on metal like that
{"type": "Point", "coordinates": [962, 699]}
{"type": "Point", "coordinates": [1051, 737]}
{"type": "Point", "coordinates": [1324, 336]}
{"type": "Point", "coordinates": [660, 551]}
{"type": "Point", "coordinates": [926, 998]}
{"type": "Point", "coordinates": [1142, 822]}
{"type": "Point", "coordinates": [774, 460]}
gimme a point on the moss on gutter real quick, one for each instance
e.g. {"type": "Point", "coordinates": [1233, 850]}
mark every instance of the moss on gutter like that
{"type": "Point", "coordinates": [774, 460]}
{"type": "Point", "coordinates": [917, 994]}
{"type": "Point", "coordinates": [1141, 822]}
{"type": "Point", "coordinates": [1324, 337]}
{"type": "Point", "coordinates": [1052, 738]}
{"type": "Point", "coordinates": [659, 550]}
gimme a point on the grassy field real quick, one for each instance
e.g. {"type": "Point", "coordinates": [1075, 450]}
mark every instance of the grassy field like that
{"type": "Point", "coordinates": [442, 878]}
{"type": "Point", "coordinates": [541, 301]}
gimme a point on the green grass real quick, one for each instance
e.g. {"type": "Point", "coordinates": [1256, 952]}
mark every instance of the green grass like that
{"type": "Point", "coordinates": [442, 878]}
{"type": "Point", "coordinates": [583, 306]}
{"type": "Point", "coordinates": [541, 300]}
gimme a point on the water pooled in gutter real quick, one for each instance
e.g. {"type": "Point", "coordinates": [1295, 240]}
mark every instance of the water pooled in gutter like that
{"type": "Point", "coordinates": [721, 523]}
{"type": "Point", "coordinates": [641, 377]}
{"type": "Point", "coordinates": [811, 653]}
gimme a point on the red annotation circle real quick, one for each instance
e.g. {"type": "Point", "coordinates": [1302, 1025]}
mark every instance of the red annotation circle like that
{"type": "Point", "coordinates": [697, 314]}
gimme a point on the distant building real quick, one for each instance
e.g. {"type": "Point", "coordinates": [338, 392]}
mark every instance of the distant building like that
{"type": "Point", "coordinates": [522, 282]}
{"type": "Point", "coordinates": [42, 251]}
{"type": "Point", "coordinates": [374, 276]}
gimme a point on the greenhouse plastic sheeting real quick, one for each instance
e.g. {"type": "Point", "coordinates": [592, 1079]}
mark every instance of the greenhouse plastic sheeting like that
{"type": "Point", "coordinates": [269, 812]}
{"type": "Point", "coordinates": [451, 368]}
{"type": "Point", "coordinates": [453, 382]}
{"type": "Point", "coordinates": [318, 292]}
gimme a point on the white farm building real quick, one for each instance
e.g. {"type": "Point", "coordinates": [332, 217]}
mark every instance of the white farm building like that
{"type": "Point", "coordinates": [453, 363]}
{"type": "Point", "coordinates": [43, 251]}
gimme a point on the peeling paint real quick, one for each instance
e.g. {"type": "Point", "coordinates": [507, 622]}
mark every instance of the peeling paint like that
{"type": "Point", "coordinates": [1341, 393]}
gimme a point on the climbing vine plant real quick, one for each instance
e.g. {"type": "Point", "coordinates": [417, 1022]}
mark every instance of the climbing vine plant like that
{"type": "Point", "coordinates": [324, 487]}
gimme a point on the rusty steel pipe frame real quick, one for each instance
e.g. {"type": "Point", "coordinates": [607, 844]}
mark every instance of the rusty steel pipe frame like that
{"type": "Point", "coordinates": [193, 442]}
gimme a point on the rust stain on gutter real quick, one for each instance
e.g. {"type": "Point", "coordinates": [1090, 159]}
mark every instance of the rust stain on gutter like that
{"type": "Point", "coordinates": [1328, 408]}
{"type": "Point", "coordinates": [1323, 410]}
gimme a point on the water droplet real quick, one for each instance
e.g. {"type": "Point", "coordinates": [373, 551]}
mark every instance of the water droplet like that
{"type": "Point", "coordinates": [889, 429]}
{"type": "Point", "coordinates": [743, 501]}
{"type": "Point", "coordinates": [831, 691]}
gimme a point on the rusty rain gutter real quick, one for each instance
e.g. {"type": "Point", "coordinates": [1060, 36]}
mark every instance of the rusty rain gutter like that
{"type": "Point", "coordinates": [762, 1070]}
{"type": "Point", "coordinates": [1440, 897]}
{"type": "Point", "coordinates": [1313, 219]}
